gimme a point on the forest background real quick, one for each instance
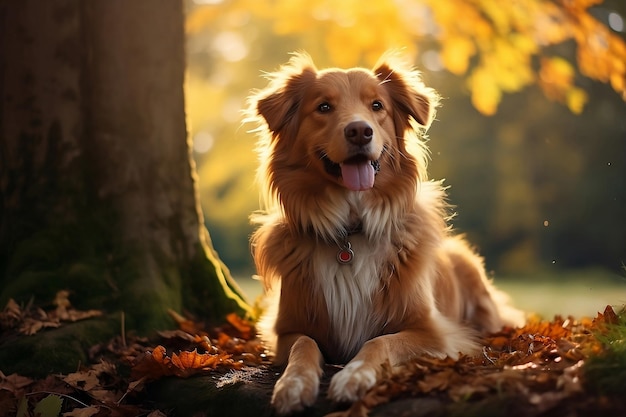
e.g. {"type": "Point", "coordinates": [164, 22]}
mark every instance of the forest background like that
{"type": "Point", "coordinates": [531, 137]}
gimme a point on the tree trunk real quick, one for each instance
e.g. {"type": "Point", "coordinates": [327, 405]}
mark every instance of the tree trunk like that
{"type": "Point", "coordinates": [97, 186]}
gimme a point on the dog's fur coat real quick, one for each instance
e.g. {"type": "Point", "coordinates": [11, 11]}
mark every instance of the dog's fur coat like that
{"type": "Point", "coordinates": [343, 164]}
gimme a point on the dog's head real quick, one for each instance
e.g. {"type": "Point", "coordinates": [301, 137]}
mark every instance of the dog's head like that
{"type": "Point", "coordinates": [344, 126]}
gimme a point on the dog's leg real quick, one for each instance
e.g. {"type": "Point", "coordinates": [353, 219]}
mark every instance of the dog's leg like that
{"type": "Point", "coordinates": [298, 386]}
{"type": "Point", "coordinates": [362, 372]}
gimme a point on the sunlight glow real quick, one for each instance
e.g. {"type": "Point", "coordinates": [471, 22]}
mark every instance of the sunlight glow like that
{"type": "Point", "coordinates": [321, 13]}
{"type": "Point", "coordinates": [616, 22]}
{"type": "Point", "coordinates": [231, 46]}
{"type": "Point", "coordinates": [431, 60]}
{"type": "Point", "coordinates": [231, 110]}
{"type": "Point", "coordinates": [203, 142]}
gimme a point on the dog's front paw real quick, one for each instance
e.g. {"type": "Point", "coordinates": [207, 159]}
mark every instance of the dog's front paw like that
{"type": "Point", "coordinates": [295, 390]}
{"type": "Point", "coordinates": [352, 382]}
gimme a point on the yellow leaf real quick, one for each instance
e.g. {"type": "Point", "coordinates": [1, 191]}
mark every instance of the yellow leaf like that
{"type": "Point", "coordinates": [618, 82]}
{"type": "Point", "coordinates": [556, 76]}
{"type": "Point", "coordinates": [557, 70]}
{"type": "Point", "coordinates": [524, 43]}
{"type": "Point", "coordinates": [486, 94]}
{"type": "Point", "coordinates": [576, 100]}
{"type": "Point", "coordinates": [456, 53]}
{"type": "Point", "coordinates": [510, 65]}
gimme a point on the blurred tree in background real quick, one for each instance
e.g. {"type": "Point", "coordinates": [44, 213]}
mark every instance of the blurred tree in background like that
{"type": "Point", "coordinates": [539, 183]}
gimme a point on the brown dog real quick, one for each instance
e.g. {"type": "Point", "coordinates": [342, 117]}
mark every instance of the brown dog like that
{"type": "Point", "coordinates": [354, 238]}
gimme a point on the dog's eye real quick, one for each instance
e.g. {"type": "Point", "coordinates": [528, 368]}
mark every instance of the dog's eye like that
{"type": "Point", "coordinates": [324, 107]}
{"type": "Point", "coordinates": [377, 105]}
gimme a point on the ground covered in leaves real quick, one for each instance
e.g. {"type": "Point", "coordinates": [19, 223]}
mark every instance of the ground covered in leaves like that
{"type": "Point", "coordinates": [561, 367]}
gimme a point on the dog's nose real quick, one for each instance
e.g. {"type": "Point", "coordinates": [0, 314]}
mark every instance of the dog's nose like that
{"type": "Point", "coordinates": [359, 133]}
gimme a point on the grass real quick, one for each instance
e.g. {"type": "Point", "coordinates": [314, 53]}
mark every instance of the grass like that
{"type": "Point", "coordinates": [579, 293]}
{"type": "Point", "coordinates": [606, 372]}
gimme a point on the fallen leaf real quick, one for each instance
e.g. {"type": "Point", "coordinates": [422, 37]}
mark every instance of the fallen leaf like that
{"type": "Point", "coordinates": [83, 380]}
{"type": "Point", "coordinates": [156, 413]}
{"type": "Point", "coordinates": [151, 365]}
{"type": "Point", "coordinates": [14, 382]}
{"type": "Point", "coordinates": [184, 324]}
{"type": "Point", "coordinates": [22, 407]}
{"type": "Point", "coordinates": [173, 334]}
{"type": "Point", "coordinates": [188, 362]}
{"type": "Point", "coordinates": [50, 406]}
{"type": "Point", "coordinates": [104, 367]}
{"type": "Point", "coordinates": [136, 385]}
{"type": "Point", "coordinates": [243, 326]}
{"type": "Point", "coordinates": [11, 315]}
{"type": "Point", "coordinates": [609, 316]}
{"type": "Point", "coordinates": [30, 326]}
{"type": "Point", "coordinates": [437, 381]}
{"type": "Point", "coordinates": [83, 412]}
{"type": "Point", "coordinates": [105, 395]}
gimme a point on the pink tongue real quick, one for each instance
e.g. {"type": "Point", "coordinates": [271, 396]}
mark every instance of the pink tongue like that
{"type": "Point", "coordinates": [358, 177]}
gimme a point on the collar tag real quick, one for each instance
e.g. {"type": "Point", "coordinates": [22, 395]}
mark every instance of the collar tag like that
{"type": "Point", "coordinates": [345, 254]}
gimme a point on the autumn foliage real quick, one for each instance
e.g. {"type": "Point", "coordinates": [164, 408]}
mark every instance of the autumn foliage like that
{"type": "Point", "coordinates": [499, 47]}
{"type": "Point", "coordinates": [542, 364]}
{"type": "Point", "coordinates": [30, 319]}
{"type": "Point", "coordinates": [232, 349]}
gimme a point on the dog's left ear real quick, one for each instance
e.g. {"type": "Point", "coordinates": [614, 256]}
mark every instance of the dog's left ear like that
{"type": "Point", "coordinates": [411, 98]}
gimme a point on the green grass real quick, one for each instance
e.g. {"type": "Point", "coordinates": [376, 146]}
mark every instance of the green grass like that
{"type": "Point", "coordinates": [579, 293]}
{"type": "Point", "coordinates": [605, 373]}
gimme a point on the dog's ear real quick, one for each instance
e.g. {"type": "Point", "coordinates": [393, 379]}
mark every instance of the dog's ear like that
{"type": "Point", "coordinates": [411, 98]}
{"type": "Point", "coordinates": [278, 103]}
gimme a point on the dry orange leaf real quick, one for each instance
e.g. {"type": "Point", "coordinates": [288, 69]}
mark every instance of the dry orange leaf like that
{"type": "Point", "coordinates": [608, 317]}
{"type": "Point", "coordinates": [183, 364]}
{"type": "Point", "coordinates": [240, 324]}
{"type": "Point", "coordinates": [190, 363]}
{"type": "Point", "coordinates": [541, 362]}
{"type": "Point", "coordinates": [185, 324]}
{"type": "Point", "coordinates": [83, 412]}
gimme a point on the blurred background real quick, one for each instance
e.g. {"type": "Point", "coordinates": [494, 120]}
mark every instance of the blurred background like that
{"type": "Point", "coordinates": [530, 138]}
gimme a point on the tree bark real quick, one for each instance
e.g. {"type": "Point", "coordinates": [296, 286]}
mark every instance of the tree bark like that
{"type": "Point", "coordinates": [97, 186]}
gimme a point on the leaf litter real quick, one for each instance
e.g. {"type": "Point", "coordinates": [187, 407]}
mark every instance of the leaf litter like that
{"type": "Point", "coordinates": [542, 363]}
{"type": "Point", "coordinates": [119, 368]}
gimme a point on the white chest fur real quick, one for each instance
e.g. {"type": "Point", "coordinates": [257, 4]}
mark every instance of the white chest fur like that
{"type": "Point", "coordinates": [348, 291]}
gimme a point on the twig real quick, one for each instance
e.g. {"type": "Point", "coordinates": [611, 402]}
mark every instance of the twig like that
{"type": "Point", "coordinates": [131, 387]}
{"type": "Point", "coordinates": [487, 356]}
{"type": "Point", "coordinates": [123, 324]}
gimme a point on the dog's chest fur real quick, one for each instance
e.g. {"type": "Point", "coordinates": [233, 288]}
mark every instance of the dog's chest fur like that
{"type": "Point", "coordinates": [349, 289]}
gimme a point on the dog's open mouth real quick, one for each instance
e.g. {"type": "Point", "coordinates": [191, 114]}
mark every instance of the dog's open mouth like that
{"type": "Point", "coordinates": [357, 172]}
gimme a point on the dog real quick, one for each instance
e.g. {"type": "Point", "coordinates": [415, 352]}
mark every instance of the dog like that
{"type": "Point", "coordinates": [353, 240]}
